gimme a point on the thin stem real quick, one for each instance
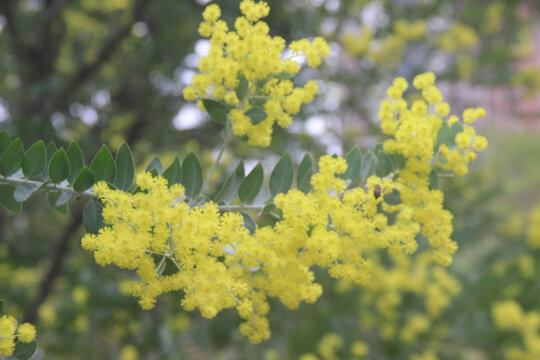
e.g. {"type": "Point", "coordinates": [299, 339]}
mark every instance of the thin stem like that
{"type": "Point", "coordinates": [45, 185]}
{"type": "Point", "coordinates": [240, 207]}
{"type": "Point", "coordinates": [228, 135]}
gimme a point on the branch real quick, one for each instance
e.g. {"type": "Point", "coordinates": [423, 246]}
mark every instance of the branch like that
{"type": "Point", "coordinates": [58, 259]}
{"type": "Point", "coordinates": [19, 47]}
{"type": "Point", "coordinates": [53, 11]}
{"type": "Point", "coordinates": [46, 185]}
{"type": "Point", "coordinates": [108, 49]}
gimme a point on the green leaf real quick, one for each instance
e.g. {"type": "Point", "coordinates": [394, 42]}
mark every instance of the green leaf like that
{"type": "Point", "coordinates": [305, 171]}
{"type": "Point", "coordinates": [242, 87]}
{"type": "Point", "coordinates": [76, 161]}
{"type": "Point", "coordinates": [155, 164]}
{"type": "Point", "coordinates": [257, 115]}
{"type": "Point", "coordinates": [282, 176]}
{"type": "Point", "coordinates": [354, 165]}
{"type": "Point", "coordinates": [383, 165]}
{"type": "Point", "coordinates": [84, 180]}
{"type": "Point", "coordinates": [92, 219]}
{"type": "Point", "coordinates": [12, 159]}
{"type": "Point", "coordinates": [433, 180]}
{"type": "Point", "coordinates": [249, 223]}
{"type": "Point", "coordinates": [378, 149]}
{"type": "Point", "coordinates": [54, 197]}
{"type": "Point", "coordinates": [35, 159]}
{"type": "Point", "coordinates": [251, 185]}
{"type": "Point", "coordinates": [394, 198]}
{"type": "Point", "coordinates": [23, 192]}
{"type": "Point", "coordinates": [103, 166]}
{"type": "Point", "coordinates": [59, 166]}
{"type": "Point", "coordinates": [444, 136]}
{"type": "Point", "coordinates": [217, 110]}
{"type": "Point", "coordinates": [5, 141]}
{"type": "Point", "coordinates": [229, 191]}
{"type": "Point", "coordinates": [153, 172]}
{"type": "Point", "coordinates": [192, 177]}
{"type": "Point", "coordinates": [23, 351]}
{"type": "Point", "coordinates": [125, 168]}
{"type": "Point", "coordinates": [7, 199]}
{"type": "Point", "coordinates": [368, 166]}
{"type": "Point", "coordinates": [173, 174]}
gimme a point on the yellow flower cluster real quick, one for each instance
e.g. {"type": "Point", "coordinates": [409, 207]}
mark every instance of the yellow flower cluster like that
{"type": "Point", "coordinates": [533, 229]}
{"type": "Point", "coordinates": [10, 331]}
{"type": "Point", "coordinates": [246, 69]}
{"type": "Point", "coordinates": [219, 264]}
{"type": "Point", "coordinates": [390, 48]}
{"type": "Point", "coordinates": [458, 38]}
{"type": "Point", "coordinates": [331, 344]}
{"type": "Point", "coordinates": [380, 305]}
{"type": "Point", "coordinates": [414, 131]}
{"type": "Point", "coordinates": [509, 316]}
{"type": "Point", "coordinates": [529, 79]}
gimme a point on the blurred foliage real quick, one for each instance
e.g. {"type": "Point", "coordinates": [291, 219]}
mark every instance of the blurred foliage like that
{"type": "Point", "coordinates": [111, 71]}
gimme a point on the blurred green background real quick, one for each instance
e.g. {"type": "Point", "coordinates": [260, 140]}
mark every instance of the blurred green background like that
{"type": "Point", "coordinates": [111, 71]}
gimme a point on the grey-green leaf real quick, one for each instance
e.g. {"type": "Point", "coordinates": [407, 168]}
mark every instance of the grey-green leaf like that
{"type": "Point", "coordinates": [383, 165]}
{"type": "Point", "coordinates": [305, 171]}
{"type": "Point", "coordinates": [173, 174]}
{"type": "Point", "coordinates": [456, 128]}
{"type": "Point", "coordinates": [84, 180]}
{"type": "Point", "coordinates": [7, 199]}
{"type": "Point", "coordinates": [103, 166]}
{"type": "Point", "coordinates": [242, 87]}
{"type": "Point", "coordinates": [257, 115]}
{"type": "Point", "coordinates": [399, 160]}
{"type": "Point", "coordinates": [51, 150]}
{"type": "Point", "coordinates": [393, 198]}
{"type": "Point", "coordinates": [76, 161]}
{"type": "Point", "coordinates": [35, 159]}
{"type": "Point", "coordinates": [444, 136]}
{"type": "Point", "coordinates": [54, 197]}
{"type": "Point", "coordinates": [282, 176]}
{"type": "Point", "coordinates": [229, 191]}
{"type": "Point", "coordinates": [284, 75]}
{"type": "Point", "coordinates": [217, 110]}
{"type": "Point", "coordinates": [12, 159]}
{"type": "Point", "coordinates": [92, 219]}
{"type": "Point", "coordinates": [161, 266]}
{"type": "Point", "coordinates": [433, 180]}
{"type": "Point", "coordinates": [249, 223]}
{"type": "Point", "coordinates": [63, 199]}
{"type": "Point", "coordinates": [23, 351]}
{"type": "Point", "coordinates": [5, 140]}
{"type": "Point", "coordinates": [251, 185]}
{"type": "Point", "coordinates": [155, 164]}
{"type": "Point", "coordinates": [262, 197]}
{"type": "Point", "coordinates": [192, 177]}
{"type": "Point", "coordinates": [354, 165]}
{"type": "Point", "coordinates": [368, 166]}
{"type": "Point", "coordinates": [125, 168]}
{"type": "Point", "coordinates": [59, 166]}
{"type": "Point", "coordinates": [23, 192]}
